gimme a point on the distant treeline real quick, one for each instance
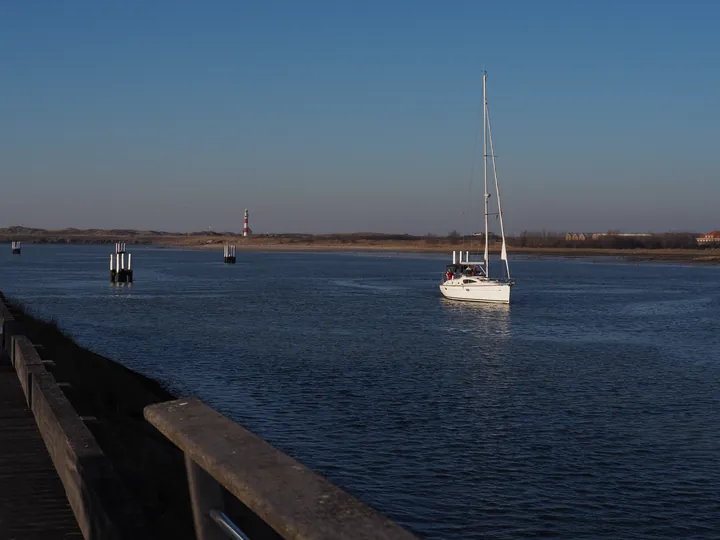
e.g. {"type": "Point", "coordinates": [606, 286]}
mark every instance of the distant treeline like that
{"type": "Point", "coordinates": [610, 240]}
{"type": "Point", "coordinates": [343, 238]}
{"type": "Point", "coordinates": [680, 240]}
{"type": "Point", "coordinates": [683, 240]}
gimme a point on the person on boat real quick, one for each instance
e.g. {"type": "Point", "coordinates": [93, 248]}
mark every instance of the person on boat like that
{"type": "Point", "coordinates": [449, 275]}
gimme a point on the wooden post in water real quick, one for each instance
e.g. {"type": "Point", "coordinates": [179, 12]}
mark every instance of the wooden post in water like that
{"type": "Point", "coordinates": [229, 254]}
{"type": "Point", "coordinates": [16, 248]}
{"type": "Point", "coordinates": [120, 273]}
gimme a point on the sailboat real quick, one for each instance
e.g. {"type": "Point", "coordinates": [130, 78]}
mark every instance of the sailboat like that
{"type": "Point", "coordinates": [469, 280]}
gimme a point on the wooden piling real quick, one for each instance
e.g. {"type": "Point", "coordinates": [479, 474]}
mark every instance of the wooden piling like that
{"type": "Point", "coordinates": [229, 254]}
{"type": "Point", "coordinates": [121, 273]}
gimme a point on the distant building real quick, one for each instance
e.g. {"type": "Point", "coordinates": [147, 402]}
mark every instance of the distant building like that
{"type": "Point", "coordinates": [709, 238]}
{"type": "Point", "coordinates": [577, 236]}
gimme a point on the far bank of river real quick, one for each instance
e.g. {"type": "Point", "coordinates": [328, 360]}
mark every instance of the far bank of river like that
{"type": "Point", "coordinates": [699, 256]}
{"type": "Point", "coordinates": [369, 243]}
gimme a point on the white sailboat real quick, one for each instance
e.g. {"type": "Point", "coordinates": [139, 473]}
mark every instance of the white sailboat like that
{"type": "Point", "coordinates": [469, 280]}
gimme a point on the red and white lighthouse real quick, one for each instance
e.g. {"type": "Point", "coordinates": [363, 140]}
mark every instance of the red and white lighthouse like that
{"type": "Point", "coordinates": [246, 229]}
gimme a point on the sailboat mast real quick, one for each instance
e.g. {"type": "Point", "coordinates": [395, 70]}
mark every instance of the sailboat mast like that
{"type": "Point", "coordinates": [485, 164]}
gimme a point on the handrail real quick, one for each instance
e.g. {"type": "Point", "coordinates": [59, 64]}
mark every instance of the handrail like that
{"type": "Point", "coordinates": [222, 457]}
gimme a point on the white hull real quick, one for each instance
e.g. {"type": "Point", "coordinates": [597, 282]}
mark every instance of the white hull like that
{"type": "Point", "coordinates": [477, 291]}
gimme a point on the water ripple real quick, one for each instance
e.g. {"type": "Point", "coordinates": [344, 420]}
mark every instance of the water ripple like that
{"type": "Point", "coordinates": [588, 409]}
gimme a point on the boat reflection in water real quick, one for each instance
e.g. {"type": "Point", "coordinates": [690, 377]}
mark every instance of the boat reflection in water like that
{"type": "Point", "coordinates": [483, 366]}
{"type": "Point", "coordinates": [483, 319]}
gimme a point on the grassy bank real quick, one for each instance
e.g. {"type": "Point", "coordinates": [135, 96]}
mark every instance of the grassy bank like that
{"type": "Point", "coordinates": [151, 468]}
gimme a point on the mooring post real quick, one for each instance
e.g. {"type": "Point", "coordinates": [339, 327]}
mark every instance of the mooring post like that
{"type": "Point", "coordinates": [121, 273]}
{"type": "Point", "coordinates": [229, 254]}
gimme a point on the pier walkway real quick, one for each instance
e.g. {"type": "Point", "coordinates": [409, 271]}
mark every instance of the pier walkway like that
{"type": "Point", "coordinates": [33, 504]}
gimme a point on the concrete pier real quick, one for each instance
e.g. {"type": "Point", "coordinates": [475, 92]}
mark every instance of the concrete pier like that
{"type": "Point", "coordinates": [55, 481]}
{"type": "Point", "coordinates": [60, 480]}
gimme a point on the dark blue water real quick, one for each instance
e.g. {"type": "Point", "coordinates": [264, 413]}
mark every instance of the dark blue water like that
{"type": "Point", "coordinates": [587, 409]}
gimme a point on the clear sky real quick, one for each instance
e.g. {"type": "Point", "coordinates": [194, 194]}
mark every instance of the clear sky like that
{"type": "Point", "coordinates": [335, 116]}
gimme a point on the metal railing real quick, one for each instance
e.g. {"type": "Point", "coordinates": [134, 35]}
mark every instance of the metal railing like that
{"type": "Point", "coordinates": [226, 525]}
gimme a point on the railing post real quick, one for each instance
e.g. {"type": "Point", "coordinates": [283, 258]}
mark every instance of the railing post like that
{"type": "Point", "coordinates": [205, 495]}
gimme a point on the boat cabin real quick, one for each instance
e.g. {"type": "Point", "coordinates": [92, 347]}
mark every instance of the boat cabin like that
{"type": "Point", "coordinates": [463, 269]}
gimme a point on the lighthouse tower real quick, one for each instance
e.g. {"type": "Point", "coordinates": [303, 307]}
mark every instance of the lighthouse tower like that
{"type": "Point", "coordinates": [246, 229]}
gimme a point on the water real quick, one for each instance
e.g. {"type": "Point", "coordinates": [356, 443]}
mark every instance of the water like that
{"type": "Point", "coordinates": [587, 409]}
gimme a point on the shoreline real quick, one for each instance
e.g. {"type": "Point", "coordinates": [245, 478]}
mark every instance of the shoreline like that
{"type": "Point", "coordinates": [695, 256]}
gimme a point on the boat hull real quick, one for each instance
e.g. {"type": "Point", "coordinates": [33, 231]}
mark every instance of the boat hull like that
{"type": "Point", "coordinates": [484, 291]}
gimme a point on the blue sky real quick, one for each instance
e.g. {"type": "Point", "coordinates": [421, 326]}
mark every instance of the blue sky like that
{"type": "Point", "coordinates": [358, 116]}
